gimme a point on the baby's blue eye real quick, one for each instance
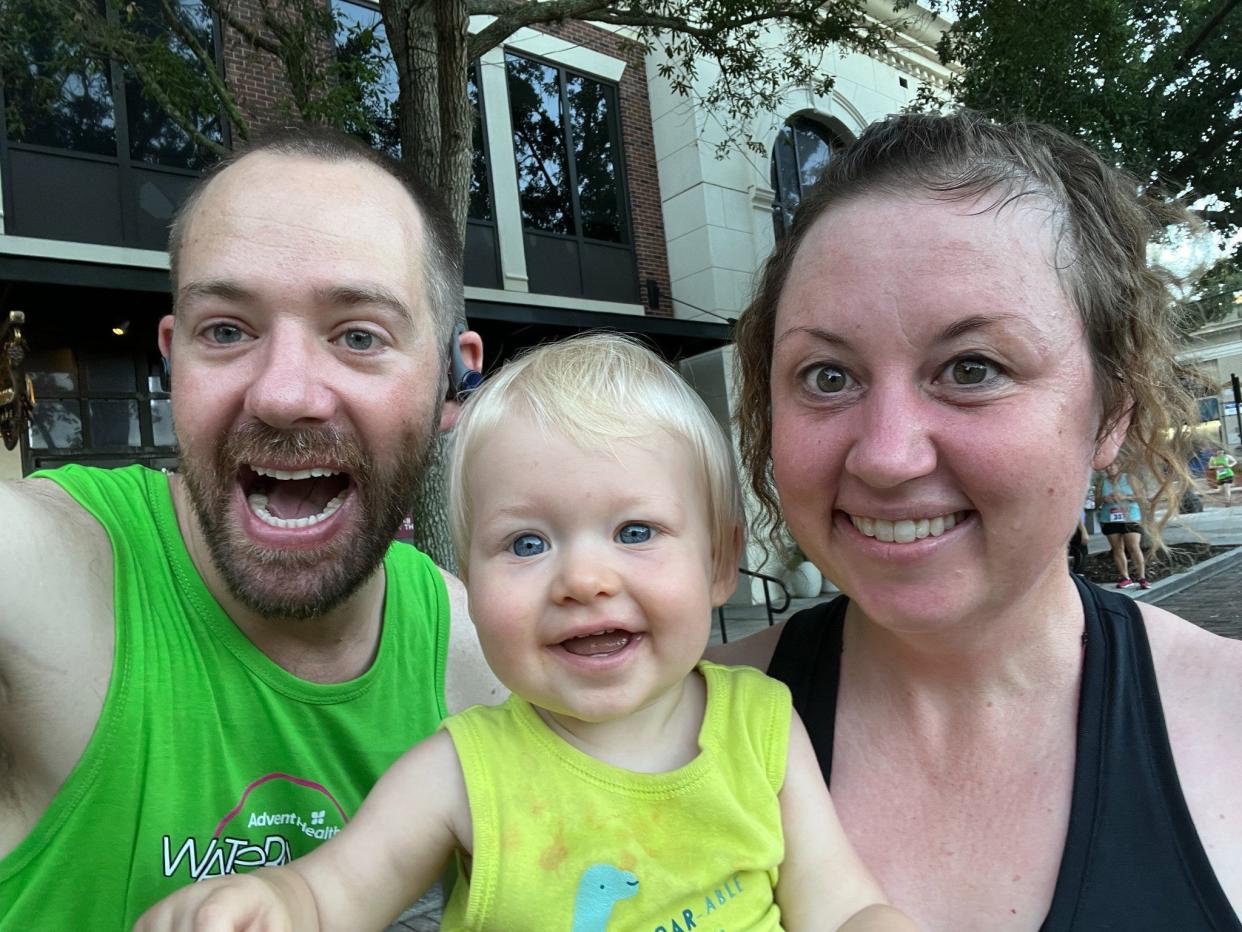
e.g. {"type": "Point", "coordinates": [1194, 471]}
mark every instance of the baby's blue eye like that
{"type": "Point", "coordinates": [528, 545]}
{"type": "Point", "coordinates": [634, 534]}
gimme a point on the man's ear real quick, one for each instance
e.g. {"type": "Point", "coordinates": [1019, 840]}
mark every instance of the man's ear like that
{"type": "Point", "coordinates": [725, 579]}
{"type": "Point", "coordinates": [165, 335]}
{"type": "Point", "coordinates": [470, 346]}
{"type": "Point", "coordinates": [1109, 443]}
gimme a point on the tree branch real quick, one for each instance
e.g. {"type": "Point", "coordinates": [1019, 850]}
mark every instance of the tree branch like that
{"type": "Point", "coordinates": [151, 85]}
{"type": "Point", "coordinates": [1202, 36]}
{"type": "Point", "coordinates": [512, 16]}
{"type": "Point", "coordinates": [249, 33]}
{"type": "Point", "coordinates": [209, 66]}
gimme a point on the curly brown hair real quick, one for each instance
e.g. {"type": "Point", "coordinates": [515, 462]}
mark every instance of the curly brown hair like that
{"type": "Point", "coordinates": [1103, 227]}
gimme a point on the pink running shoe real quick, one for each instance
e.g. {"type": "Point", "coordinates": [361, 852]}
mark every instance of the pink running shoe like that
{"type": "Point", "coordinates": [1144, 584]}
{"type": "Point", "coordinates": [1126, 583]}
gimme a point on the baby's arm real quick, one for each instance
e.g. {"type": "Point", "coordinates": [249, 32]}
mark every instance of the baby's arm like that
{"type": "Point", "coordinates": [823, 884]}
{"type": "Point", "coordinates": [387, 856]}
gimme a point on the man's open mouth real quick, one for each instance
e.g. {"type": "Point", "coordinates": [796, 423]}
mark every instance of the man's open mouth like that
{"type": "Point", "coordinates": [597, 643]}
{"type": "Point", "coordinates": [290, 498]}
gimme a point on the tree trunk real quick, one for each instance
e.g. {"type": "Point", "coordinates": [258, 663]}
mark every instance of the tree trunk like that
{"type": "Point", "coordinates": [428, 40]}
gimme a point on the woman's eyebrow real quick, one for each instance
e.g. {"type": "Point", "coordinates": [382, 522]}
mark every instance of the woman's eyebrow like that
{"type": "Point", "coordinates": [819, 333]}
{"type": "Point", "coordinates": [960, 328]}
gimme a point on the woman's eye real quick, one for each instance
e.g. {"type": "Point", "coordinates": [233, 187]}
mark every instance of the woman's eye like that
{"type": "Point", "coordinates": [226, 333]}
{"type": "Point", "coordinates": [971, 371]}
{"type": "Point", "coordinates": [827, 380]}
{"type": "Point", "coordinates": [360, 340]}
{"type": "Point", "coordinates": [634, 534]}
{"type": "Point", "coordinates": [528, 545]}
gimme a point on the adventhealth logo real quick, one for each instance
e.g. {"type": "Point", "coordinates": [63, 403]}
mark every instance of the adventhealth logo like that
{"type": "Point", "coordinates": [266, 827]}
{"type": "Point", "coordinates": [268, 819]}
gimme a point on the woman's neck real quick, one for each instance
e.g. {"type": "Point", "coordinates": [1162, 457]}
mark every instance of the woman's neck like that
{"type": "Point", "coordinates": [1032, 645]}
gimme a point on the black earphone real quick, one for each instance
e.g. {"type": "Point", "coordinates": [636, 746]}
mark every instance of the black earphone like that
{"type": "Point", "coordinates": [462, 379]}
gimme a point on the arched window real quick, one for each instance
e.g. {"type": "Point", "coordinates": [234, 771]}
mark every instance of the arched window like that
{"type": "Point", "coordinates": [803, 147]}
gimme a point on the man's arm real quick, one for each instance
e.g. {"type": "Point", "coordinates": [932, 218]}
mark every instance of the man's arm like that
{"type": "Point", "coordinates": [56, 641]}
{"type": "Point", "coordinates": [391, 852]}
{"type": "Point", "coordinates": [468, 680]}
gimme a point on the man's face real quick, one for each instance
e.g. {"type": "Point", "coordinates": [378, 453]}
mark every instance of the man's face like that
{"type": "Point", "coordinates": [307, 375]}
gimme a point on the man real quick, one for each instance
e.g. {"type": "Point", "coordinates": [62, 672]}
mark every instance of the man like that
{"type": "Point", "coordinates": [205, 672]}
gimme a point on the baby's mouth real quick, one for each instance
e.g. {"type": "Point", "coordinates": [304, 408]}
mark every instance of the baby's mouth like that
{"type": "Point", "coordinates": [293, 498]}
{"type": "Point", "coordinates": [597, 643]}
{"type": "Point", "coordinates": [907, 530]}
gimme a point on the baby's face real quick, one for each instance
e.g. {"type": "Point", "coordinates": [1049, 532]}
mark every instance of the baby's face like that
{"type": "Point", "coordinates": [591, 576]}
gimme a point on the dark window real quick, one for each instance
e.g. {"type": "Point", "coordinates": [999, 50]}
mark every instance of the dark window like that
{"type": "Point", "coordinates": [480, 184]}
{"type": "Point", "coordinates": [154, 137]}
{"type": "Point", "coordinates": [57, 99]}
{"type": "Point", "coordinates": [558, 183]}
{"type": "Point", "coordinates": [803, 148]}
{"type": "Point", "coordinates": [537, 108]}
{"type": "Point", "coordinates": [90, 156]}
{"type": "Point", "coordinates": [566, 140]}
{"type": "Point", "coordinates": [99, 403]}
{"type": "Point", "coordinates": [367, 71]}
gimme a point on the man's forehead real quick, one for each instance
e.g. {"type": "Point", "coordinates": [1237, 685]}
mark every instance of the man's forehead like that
{"type": "Point", "coordinates": [306, 217]}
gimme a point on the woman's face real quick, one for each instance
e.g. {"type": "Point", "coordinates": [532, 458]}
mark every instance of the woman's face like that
{"type": "Point", "coordinates": [933, 408]}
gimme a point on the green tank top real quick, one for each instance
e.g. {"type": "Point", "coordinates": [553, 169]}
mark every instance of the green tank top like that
{"type": "Point", "coordinates": [208, 758]}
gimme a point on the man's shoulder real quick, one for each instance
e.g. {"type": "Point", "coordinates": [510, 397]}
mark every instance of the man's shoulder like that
{"type": "Point", "coordinates": [468, 679]}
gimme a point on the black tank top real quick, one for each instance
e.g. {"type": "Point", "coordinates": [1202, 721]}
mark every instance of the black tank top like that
{"type": "Point", "coordinates": [1132, 858]}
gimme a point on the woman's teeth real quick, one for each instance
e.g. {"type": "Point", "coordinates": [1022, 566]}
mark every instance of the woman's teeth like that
{"type": "Point", "coordinates": [258, 505]}
{"type": "Point", "coordinates": [904, 532]}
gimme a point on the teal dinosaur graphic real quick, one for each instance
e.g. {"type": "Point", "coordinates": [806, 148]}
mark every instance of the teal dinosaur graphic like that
{"type": "Point", "coordinates": [601, 886]}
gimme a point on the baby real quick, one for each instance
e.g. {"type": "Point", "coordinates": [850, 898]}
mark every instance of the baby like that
{"type": "Point", "coordinates": [626, 784]}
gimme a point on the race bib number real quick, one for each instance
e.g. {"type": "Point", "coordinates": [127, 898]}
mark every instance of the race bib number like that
{"type": "Point", "coordinates": [1116, 516]}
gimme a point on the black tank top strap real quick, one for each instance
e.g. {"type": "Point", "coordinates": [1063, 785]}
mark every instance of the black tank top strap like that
{"type": "Point", "coordinates": [808, 660]}
{"type": "Point", "coordinates": [1132, 859]}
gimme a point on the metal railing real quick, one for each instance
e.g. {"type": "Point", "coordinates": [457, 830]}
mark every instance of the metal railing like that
{"type": "Point", "coordinates": [767, 601]}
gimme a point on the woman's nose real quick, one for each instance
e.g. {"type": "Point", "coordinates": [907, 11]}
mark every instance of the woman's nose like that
{"type": "Point", "coordinates": [893, 441]}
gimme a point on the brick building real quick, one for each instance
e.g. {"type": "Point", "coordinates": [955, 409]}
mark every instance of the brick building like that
{"type": "Point", "coordinates": [566, 228]}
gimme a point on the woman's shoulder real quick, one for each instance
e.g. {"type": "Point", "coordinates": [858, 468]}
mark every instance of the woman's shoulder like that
{"type": "Point", "coordinates": [1199, 675]}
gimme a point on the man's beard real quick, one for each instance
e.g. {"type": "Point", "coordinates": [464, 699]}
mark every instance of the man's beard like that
{"type": "Point", "coordinates": [302, 584]}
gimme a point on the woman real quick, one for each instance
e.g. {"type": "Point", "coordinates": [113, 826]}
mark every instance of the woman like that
{"type": "Point", "coordinates": [1120, 517]}
{"type": "Point", "coordinates": [959, 328]}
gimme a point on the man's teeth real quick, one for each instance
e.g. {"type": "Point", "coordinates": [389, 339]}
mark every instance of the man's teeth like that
{"type": "Point", "coordinates": [903, 532]}
{"type": "Point", "coordinates": [258, 505]}
{"type": "Point", "coordinates": [286, 474]}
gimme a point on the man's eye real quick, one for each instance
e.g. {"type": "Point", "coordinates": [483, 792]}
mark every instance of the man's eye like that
{"type": "Point", "coordinates": [634, 534]}
{"type": "Point", "coordinates": [360, 340]}
{"type": "Point", "coordinates": [971, 371]}
{"type": "Point", "coordinates": [226, 333]}
{"type": "Point", "coordinates": [528, 545]}
{"type": "Point", "coordinates": [826, 380]}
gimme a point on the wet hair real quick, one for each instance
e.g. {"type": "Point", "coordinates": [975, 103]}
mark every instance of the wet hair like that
{"type": "Point", "coordinates": [1102, 227]}
{"type": "Point", "coordinates": [599, 390]}
{"type": "Point", "coordinates": [441, 259]}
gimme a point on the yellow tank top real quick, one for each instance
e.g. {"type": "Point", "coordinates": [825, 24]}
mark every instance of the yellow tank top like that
{"type": "Point", "coordinates": [565, 842]}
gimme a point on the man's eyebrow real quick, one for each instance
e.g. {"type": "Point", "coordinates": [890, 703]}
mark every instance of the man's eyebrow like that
{"type": "Point", "coordinates": [359, 295]}
{"type": "Point", "coordinates": [214, 288]}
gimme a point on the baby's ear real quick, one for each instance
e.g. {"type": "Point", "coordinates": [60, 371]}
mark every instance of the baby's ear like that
{"type": "Point", "coordinates": [725, 564]}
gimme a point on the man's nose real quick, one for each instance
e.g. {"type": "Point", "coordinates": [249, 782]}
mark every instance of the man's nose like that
{"type": "Point", "coordinates": [893, 441]}
{"type": "Point", "coordinates": [292, 385]}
